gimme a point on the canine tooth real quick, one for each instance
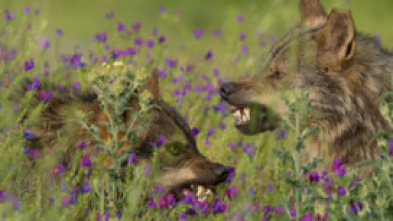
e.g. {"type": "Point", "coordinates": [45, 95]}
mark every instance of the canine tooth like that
{"type": "Point", "coordinates": [200, 191]}
{"type": "Point", "coordinates": [209, 192]}
{"type": "Point", "coordinates": [247, 113]}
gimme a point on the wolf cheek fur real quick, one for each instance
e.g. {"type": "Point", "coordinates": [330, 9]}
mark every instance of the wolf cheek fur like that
{"type": "Point", "coordinates": [344, 72]}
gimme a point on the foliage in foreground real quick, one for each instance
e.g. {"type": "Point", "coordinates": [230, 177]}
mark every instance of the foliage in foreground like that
{"type": "Point", "coordinates": [269, 182]}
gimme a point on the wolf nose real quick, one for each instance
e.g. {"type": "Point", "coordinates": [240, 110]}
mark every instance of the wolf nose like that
{"type": "Point", "coordinates": [227, 89]}
{"type": "Point", "coordinates": [221, 171]}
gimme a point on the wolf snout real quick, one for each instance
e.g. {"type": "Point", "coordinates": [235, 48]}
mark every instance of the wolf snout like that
{"type": "Point", "coordinates": [227, 89]}
{"type": "Point", "coordinates": [221, 171]}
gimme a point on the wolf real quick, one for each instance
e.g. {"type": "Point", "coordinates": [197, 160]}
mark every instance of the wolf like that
{"type": "Point", "coordinates": [343, 72]}
{"type": "Point", "coordinates": [181, 166]}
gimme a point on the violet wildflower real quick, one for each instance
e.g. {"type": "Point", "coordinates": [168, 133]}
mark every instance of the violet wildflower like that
{"type": "Point", "coordinates": [223, 126]}
{"type": "Point", "coordinates": [129, 51]}
{"type": "Point", "coordinates": [232, 191]}
{"type": "Point", "coordinates": [116, 53]}
{"type": "Point", "coordinates": [85, 188]}
{"type": "Point", "coordinates": [2, 196]}
{"type": "Point", "coordinates": [195, 131]}
{"type": "Point", "coordinates": [106, 215]}
{"type": "Point", "coordinates": [147, 170]}
{"type": "Point", "coordinates": [270, 187]}
{"type": "Point", "coordinates": [210, 131]}
{"type": "Point", "coordinates": [35, 84]}
{"type": "Point", "coordinates": [121, 27]}
{"type": "Point", "coordinates": [339, 168]}
{"type": "Point", "coordinates": [162, 202]}
{"type": "Point", "coordinates": [307, 217]}
{"type": "Point", "coordinates": [292, 212]}
{"type": "Point", "coordinates": [44, 97]}
{"type": "Point", "coordinates": [118, 214]}
{"type": "Point", "coordinates": [28, 135]}
{"type": "Point", "coordinates": [232, 144]}
{"type": "Point", "coordinates": [59, 169]}
{"type": "Point", "coordinates": [242, 36]}
{"type": "Point", "coordinates": [9, 16]}
{"type": "Point", "coordinates": [215, 72]}
{"type": "Point", "coordinates": [207, 141]}
{"type": "Point", "coordinates": [182, 216]}
{"type": "Point", "coordinates": [66, 201]}
{"type": "Point", "coordinates": [152, 204]}
{"type": "Point", "coordinates": [161, 39]}
{"type": "Point", "coordinates": [198, 33]}
{"type": "Point", "coordinates": [353, 208]}
{"type": "Point", "coordinates": [218, 206]}
{"type": "Point", "coordinates": [390, 148]}
{"type": "Point", "coordinates": [150, 44]}
{"type": "Point", "coordinates": [216, 33]}
{"type": "Point", "coordinates": [314, 177]}
{"type": "Point", "coordinates": [131, 158]}
{"type": "Point", "coordinates": [209, 55]}
{"type": "Point", "coordinates": [154, 32]}
{"type": "Point", "coordinates": [76, 85]}
{"type": "Point", "coordinates": [231, 175]}
{"type": "Point", "coordinates": [59, 32]}
{"type": "Point", "coordinates": [239, 18]}
{"type": "Point", "coordinates": [161, 140]}
{"type": "Point", "coordinates": [43, 43]}
{"type": "Point", "coordinates": [280, 134]}
{"type": "Point", "coordinates": [171, 63]}
{"type": "Point", "coordinates": [29, 64]}
{"type": "Point", "coordinates": [162, 73]}
{"type": "Point", "coordinates": [109, 15]}
{"type": "Point", "coordinates": [137, 26]}
{"type": "Point", "coordinates": [244, 49]}
{"type": "Point", "coordinates": [341, 191]}
{"type": "Point", "coordinates": [85, 161]}
{"type": "Point", "coordinates": [100, 37]}
{"type": "Point", "coordinates": [138, 41]}
{"type": "Point", "coordinates": [26, 10]}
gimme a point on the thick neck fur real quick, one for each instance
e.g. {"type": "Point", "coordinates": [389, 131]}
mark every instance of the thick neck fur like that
{"type": "Point", "coordinates": [348, 102]}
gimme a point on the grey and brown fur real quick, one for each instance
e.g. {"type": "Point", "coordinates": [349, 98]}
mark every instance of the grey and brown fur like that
{"type": "Point", "coordinates": [345, 72]}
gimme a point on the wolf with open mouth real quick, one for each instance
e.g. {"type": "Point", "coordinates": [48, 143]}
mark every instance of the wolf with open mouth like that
{"type": "Point", "coordinates": [344, 73]}
{"type": "Point", "coordinates": [181, 167]}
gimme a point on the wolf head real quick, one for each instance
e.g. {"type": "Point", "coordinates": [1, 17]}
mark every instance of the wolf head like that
{"type": "Point", "coordinates": [344, 72]}
{"type": "Point", "coordinates": [180, 165]}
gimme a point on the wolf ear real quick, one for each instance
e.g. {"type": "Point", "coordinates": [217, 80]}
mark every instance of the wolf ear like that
{"type": "Point", "coordinates": [312, 12]}
{"type": "Point", "coordinates": [152, 85]}
{"type": "Point", "coordinates": [336, 40]}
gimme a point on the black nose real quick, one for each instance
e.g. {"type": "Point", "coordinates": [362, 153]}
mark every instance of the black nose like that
{"type": "Point", "coordinates": [221, 171]}
{"type": "Point", "coordinates": [227, 89]}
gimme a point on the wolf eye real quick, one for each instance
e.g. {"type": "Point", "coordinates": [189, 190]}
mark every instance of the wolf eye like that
{"type": "Point", "coordinates": [175, 148]}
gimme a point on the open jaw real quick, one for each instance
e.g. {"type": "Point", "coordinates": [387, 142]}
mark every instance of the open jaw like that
{"type": "Point", "coordinates": [254, 118]}
{"type": "Point", "coordinates": [201, 192]}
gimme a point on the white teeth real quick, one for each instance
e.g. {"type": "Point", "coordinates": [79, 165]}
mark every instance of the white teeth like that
{"type": "Point", "coordinates": [203, 193]}
{"type": "Point", "coordinates": [247, 113]}
{"type": "Point", "coordinates": [242, 115]}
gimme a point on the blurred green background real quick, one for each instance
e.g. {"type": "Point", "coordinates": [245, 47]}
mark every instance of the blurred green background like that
{"type": "Point", "coordinates": [80, 19]}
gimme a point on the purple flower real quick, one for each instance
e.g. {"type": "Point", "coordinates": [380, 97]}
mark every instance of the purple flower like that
{"type": "Point", "coordinates": [390, 148]}
{"type": "Point", "coordinates": [136, 26]}
{"type": "Point", "coordinates": [161, 9]}
{"type": "Point", "coordinates": [76, 85]}
{"type": "Point", "coordinates": [129, 51]}
{"type": "Point", "coordinates": [171, 63]}
{"type": "Point", "coordinates": [116, 53]}
{"type": "Point", "coordinates": [43, 43]}
{"type": "Point", "coordinates": [66, 201]}
{"type": "Point", "coordinates": [231, 175]}
{"type": "Point", "coordinates": [195, 131]}
{"type": "Point", "coordinates": [44, 97]}
{"type": "Point", "coordinates": [250, 151]}
{"type": "Point", "coordinates": [138, 41]}
{"type": "Point", "coordinates": [59, 169]}
{"type": "Point", "coordinates": [183, 216]}
{"type": "Point", "coordinates": [152, 204]}
{"type": "Point", "coordinates": [162, 73]}
{"type": "Point", "coordinates": [210, 131]}
{"type": "Point", "coordinates": [232, 191]}
{"type": "Point", "coordinates": [106, 215]}
{"type": "Point", "coordinates": [150, 44]}
{"type": "Point", "coordinates": [244, 49]}
{"type": "Point", "coordinates": [209, 55]}
{"type": "Point", "coordinates": [314, 177]}
{"type": "Point", "coordinates": [242, 36]}
{"type": "Point", "coordinates": [161, 39]}
{"type": "Point", "coordinates": [59, 32]}
{"type": "Point", "coordinates": [251, 191]}
{"type": "Point", "coordinates": [147, 170]}
{"type": "Point", "coordinates": [35, 84]}
{"type": "Point", "coordinates": [338, 167]}
{"type": "Point", "coordinates": [85, 188]}
{"type": "Point", "coordinates": [353, 208]}
{"type": "Point", "coordinates": [100, 37]}
{"type": "Point", "coordinates": [232, 144]}
{"type": "Point", "coordinates": [85, 161]}
{"type": "Point", "coordinates": [216, 33]}
{"type": "Point", "coordinates": [223, 126]}
{"type": "Point", "coordinates": [198, 33]}
{"type": "Point", "coordinates": [307, 217]}
{"type": "Point", "coordinates": [280, 134]}
{"type": "Point", "coordinates": [218, 206]}
{"type": "Point", "coordinates": [292, 212]}
{"type": "Point", "coordinates": [2, 196]}
{"type": "Point", "coordinates": [121, 27]}
{"type": "Point", "coordinates": [207, 142]}
{"type": "Point", "coordinates": [26, 10]}
{"type": "Point", "coordinates": [270, 187]}
{"type": "Point", "coordinates": [131, 158]}
{"type": "Point", "coordinates": [109, 15]}
{"type": "Point", "coordinates": [29, 64]}
{"type": "Point", "coordinates": [8, 15]}
{"type": "Point", "coordinates": [162, 202]}
{"type": "Point", "coordinates": [341, 190]}
{"type": "Point", "coordinates": [239, 18]}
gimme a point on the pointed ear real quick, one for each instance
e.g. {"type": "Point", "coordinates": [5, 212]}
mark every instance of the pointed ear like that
{"type": "Point", "coordinates": [152, 85]}
{"type": "Point", "coordinates": [312, 12]}
{"type": "Point", "coordinates": [336, 40]}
